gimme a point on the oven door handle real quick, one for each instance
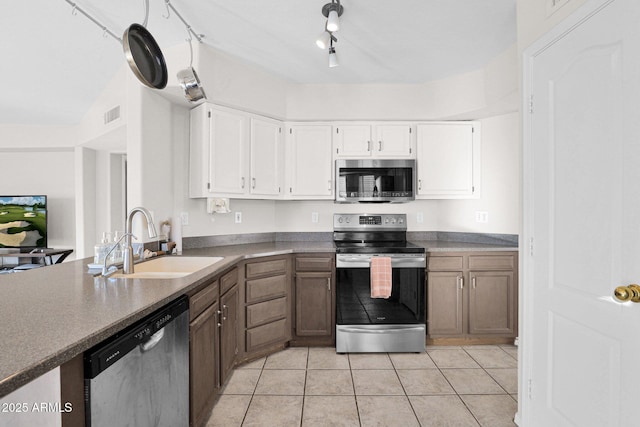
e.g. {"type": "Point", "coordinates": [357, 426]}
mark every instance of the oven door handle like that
{"type": "Point", "coordinates": [396, 262]}
{"type": "Point", "coordinates": [381, 331]}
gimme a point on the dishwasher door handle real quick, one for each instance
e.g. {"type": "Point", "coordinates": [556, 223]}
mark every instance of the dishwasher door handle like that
{"type": "Point", "coordinates": [153, 341]}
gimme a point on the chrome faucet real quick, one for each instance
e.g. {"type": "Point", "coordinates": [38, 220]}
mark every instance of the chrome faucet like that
{"type": "Point", "coordinates": [127, 268]}
{"type": "Point", "coordinates": [127, 257]}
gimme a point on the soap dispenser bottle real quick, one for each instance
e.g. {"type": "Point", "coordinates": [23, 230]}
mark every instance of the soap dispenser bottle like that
{"type": "Point", "coordinates": [101, 249]}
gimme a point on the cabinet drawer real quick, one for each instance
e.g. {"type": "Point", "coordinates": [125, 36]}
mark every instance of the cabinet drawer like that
{"type": "Point", "coordinates": [492, 262]}
{"type": "Point", "coordinates": [445, 263]}
{"type": "Point", "coordinates": [203, 299]}
{"type": "Point", "coordinates": [270, 333]}
{"type": "Point", "coordinates": [255, 269]}
{"type": "Point", "coordinates": [228, 280]}
{"type": "Point", "coordinates": [314, 263]}
{"type": "Point", "coordinates": [266, 288]}
{"type": "Point", "coordinates": [267, 311]}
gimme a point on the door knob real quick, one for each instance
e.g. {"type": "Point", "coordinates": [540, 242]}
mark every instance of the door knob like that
{"type": "Point", "coordinates": [627, 293]}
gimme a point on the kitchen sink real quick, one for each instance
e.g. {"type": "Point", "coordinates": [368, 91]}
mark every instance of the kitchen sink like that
{"type": "Point", "coordinates": [169, 267]}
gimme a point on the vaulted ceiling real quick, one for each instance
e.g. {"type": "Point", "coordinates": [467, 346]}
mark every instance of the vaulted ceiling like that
{"type": "Point", "coordinates": [55, 62]}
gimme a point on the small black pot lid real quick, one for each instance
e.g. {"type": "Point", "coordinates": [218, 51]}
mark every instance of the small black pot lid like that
{"type": "Point", "coordinates": [145, 57]}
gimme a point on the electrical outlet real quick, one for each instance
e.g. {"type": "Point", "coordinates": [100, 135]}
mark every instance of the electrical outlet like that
{"type": "Point", "coordinates": [420, 217]}
{"type": "Point", "coordinates": [314, 217]}
{"type": "Point", "coordinates": [184, 218]}
{"type": "Point", "coordinates": [238, 217]}
{"type": "Point", "coordinates": [482, 216]}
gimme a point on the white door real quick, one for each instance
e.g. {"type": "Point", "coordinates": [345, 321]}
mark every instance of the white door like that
{"type": "Point", "coordinates": [393, 140]}
{"type": "Point", "coordinates": [310, 164]}
{"type": "Point", "coordinates": [227, 150]}
{"type": "Point", "coordinates": [353, 140]}
{"type": "Point", "coordinates": [580, 347]}
{"type": "Point", "coordinates": [446, 159]}
{"type": "Point", "coordinates": [266, 164]}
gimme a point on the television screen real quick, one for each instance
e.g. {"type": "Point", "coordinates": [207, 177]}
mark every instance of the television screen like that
{"type": "Point", "coordinates": [23, 221]}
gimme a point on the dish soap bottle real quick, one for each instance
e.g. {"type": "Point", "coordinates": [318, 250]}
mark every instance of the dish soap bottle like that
{"type": "Point", "coordinates": [100, 250]}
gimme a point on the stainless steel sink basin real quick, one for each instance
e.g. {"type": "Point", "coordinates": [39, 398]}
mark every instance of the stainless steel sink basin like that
{"type": "Point", "coordinates": [169, 267]}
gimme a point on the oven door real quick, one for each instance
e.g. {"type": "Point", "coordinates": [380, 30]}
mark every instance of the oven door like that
{"type": "Point", "coordinates": [365, 324]}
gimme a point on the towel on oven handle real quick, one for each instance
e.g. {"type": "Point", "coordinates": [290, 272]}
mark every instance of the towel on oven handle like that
{"type": "Point", "coordinates": [381, 277]}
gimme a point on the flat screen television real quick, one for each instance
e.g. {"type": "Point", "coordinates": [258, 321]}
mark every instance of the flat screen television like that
{"type": "Point", "coordinates": [23, 222]}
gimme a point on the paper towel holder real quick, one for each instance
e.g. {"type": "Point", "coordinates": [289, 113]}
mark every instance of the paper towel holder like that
{"type": "Point", "coordinates": [218, 205]}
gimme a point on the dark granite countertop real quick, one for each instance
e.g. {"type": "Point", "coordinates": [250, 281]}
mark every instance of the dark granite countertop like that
{"type": "Point", "coordinates": [50, 315]}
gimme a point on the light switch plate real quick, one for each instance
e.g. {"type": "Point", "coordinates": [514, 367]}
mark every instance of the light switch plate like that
{"type": "Point", "coordinates": [314, 217]}
{"type": "Point", "coordinates": [420, 217]}
{"type": "Point", "coordinates": [184, 218]}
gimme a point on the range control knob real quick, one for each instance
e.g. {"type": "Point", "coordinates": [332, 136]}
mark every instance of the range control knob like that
{"type": "Point", "coordinates": [348, 220]}
{"type": "Point", "coordinates": [340, 219]}
{"type": "Point", "coordinates": [400, 221]}
{"type": "Point", "coordinates": [393, 220]}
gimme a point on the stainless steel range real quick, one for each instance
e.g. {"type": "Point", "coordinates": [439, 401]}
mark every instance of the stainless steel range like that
{"type": "Point", "coordinates": [366, 324]}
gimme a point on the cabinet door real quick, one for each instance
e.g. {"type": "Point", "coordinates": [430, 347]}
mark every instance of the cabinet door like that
{"type": "Point", "coordinates": [492, 303]}
{"type": "Point", "coordinates": [448, 160]}
{"type": "Point", "coordinates": [313, 304]}
{"type": "Point", "coordinates": [228, 332]}
{"type": "Point", "coordinates": [310, 162]}
{"type": "Point", "coordinates": [393, 140]}
{"type": "Point", "coordinates": [266, 157]}
{"type": "Point", "coordinates": [203, 360]}
{"type": "Point", "coordinates": [444, 303]}
{"type": "Point", "coordinates": [227, 142]}
{"type": "Point", "coordinates": [353, 141]}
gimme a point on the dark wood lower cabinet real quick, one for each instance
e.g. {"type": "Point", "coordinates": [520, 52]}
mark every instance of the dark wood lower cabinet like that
{"type": "Point", "coordinates": [203, 357]}
{"type": "Point", "coordinates": [314, 300]}
{"type": "Point", "coordinates": [472, 296]}
{"type": "Point", "coordinates": [313, 304]}
{"type": "Point", "coordinates": [228, 332]}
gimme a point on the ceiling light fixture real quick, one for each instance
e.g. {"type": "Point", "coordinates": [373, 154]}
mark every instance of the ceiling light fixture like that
{"type": "Point", "coordinates": [333, 58]}
{"type": "Point", "coordinates": [332, 11]}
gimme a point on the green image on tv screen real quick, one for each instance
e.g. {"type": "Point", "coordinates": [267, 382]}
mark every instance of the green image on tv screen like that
{"type": "Point", "coordinates": [23, 221]}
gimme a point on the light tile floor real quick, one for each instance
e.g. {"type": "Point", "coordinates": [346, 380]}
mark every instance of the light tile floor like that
{"type": "Point", "coordinates": [446, 386]}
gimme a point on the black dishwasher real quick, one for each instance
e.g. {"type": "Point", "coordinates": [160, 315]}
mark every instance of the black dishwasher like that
{"type": "Point", "coordinates": [140, 376]}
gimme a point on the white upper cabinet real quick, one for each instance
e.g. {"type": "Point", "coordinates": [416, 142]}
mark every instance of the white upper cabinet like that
{"type": "Point", "coordinates": [217, 152]}
{"type": "Point", "coordinates": [448, 160]}
{"type": "Point", "coordinates": [266, 157]}
{"type": "Point", "coordinates": [234, 154]}
{"type": "Point", "coordinates": [389, 140]}
{"type": "Point", "coordinates": [309, 161]}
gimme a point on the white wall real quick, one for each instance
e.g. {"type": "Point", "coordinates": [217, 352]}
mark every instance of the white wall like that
{"type": "Point", "coordinates": [48, 171]}
{"type": "Point", "coordinates": [44, 389]}
{"type": "Point", "coordinates": [489, 91]}
{"type": "Point", "coordinates": [536, 17]}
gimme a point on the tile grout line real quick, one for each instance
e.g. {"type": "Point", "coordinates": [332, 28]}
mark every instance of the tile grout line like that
{"type": "Point", "coordinates": [395, 368]}
{"type": "Point", "coordinates": [456, 391]}
{"type": "Point", "coordinates": [486, 372]}
{"type": "Point", "coordinates": [353, 383]}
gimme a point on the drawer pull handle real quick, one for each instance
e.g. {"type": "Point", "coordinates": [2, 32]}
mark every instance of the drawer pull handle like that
{"type": "Point", "coordinates": [329, 284]}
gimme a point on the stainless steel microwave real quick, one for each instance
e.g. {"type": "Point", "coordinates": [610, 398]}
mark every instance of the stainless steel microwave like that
{"type": "Point", "coordinates": [375, 180]}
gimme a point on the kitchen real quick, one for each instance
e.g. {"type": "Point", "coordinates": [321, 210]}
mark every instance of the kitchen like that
{"type": "Point", "coordinates": [490, 94]}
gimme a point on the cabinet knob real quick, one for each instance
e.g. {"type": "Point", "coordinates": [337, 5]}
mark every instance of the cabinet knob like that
{"type": "Point", "coordinates": [627, 293]}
